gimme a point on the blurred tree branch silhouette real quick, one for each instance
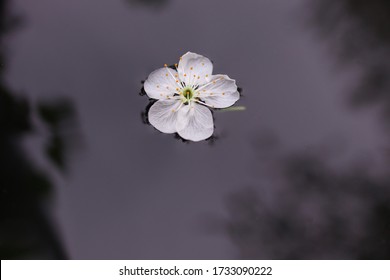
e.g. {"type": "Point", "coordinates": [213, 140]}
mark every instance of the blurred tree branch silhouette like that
{"type": "Point", "coordinates": [59, 117]}
{"type": "Point", "coordinates": [316, 212]}
{"type": "Point", "coordinates": [26, 231]}
{"type": "Point", "coordinates": [359, 32]}
{"type": "Point", "coordinates": [319, 214]}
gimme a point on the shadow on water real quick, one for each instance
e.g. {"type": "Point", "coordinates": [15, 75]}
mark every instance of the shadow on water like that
{"type": "Point", "coordinates": [26, 230]}
{"type": "Point", "coordinates": [311, 210]}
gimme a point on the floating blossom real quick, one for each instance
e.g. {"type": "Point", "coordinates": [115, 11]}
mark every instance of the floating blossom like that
{"type": "Point", "coordinates": [185, 94]}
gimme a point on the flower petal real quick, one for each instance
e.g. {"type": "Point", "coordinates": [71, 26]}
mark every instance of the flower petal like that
{"type": "Point", "coordinates": [161, 83]}
{"type": "Point", "coordinates": [194, 69]}
{"type": "Point", "coordinates": [162, 115]}
{"type": "Point", "coordinates": [221, 92]}
{"type": "Point", "coordinates": [195, 122]}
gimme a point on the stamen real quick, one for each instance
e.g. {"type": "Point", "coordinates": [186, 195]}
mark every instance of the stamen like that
{"type": "Point", "coordinates": [178, 108]}
{"type": "Point", "coordinates": [192, 82]}
{"type": "Point", "coordinates": [209, 83]}
{"type": "Point", "coordinates": [169, 72]}
{"type": "Point", "coordinates": [200, 102]}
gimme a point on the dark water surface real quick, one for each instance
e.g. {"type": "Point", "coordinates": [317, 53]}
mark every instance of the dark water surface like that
{"type": "Point", "coordinates": [296, 174]}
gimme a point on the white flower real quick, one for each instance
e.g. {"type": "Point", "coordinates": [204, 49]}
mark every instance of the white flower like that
{"type": "Point", "coordinates": [184, 95]}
